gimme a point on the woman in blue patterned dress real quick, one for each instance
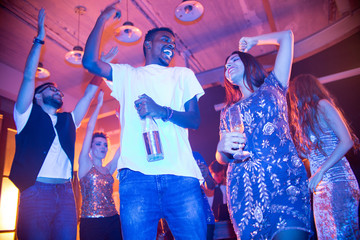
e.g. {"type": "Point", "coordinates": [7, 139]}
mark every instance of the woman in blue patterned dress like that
{"type": "Point", "coordinates": [267, 192]}
{"type": "Point", "coordinates": [322, 135]}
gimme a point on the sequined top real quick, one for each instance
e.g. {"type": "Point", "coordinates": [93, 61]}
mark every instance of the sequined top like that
{"type": "Point", "coordinates": [268, 192]}
{"type": "Point", "coordinates": [341, 171]}
{"type": "Point", "coordinates": [96, 191]}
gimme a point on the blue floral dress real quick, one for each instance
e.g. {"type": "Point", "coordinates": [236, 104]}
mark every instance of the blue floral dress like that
{"type": "Point", "coordinates": [268, 192]}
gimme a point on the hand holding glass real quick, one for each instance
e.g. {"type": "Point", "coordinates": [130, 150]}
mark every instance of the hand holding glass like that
{"type": "Point", "coordinates": [237, 125]}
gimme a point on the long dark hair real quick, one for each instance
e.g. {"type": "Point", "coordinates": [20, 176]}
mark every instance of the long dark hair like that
{"type": "Point", "coordinates": [254, 75]}
{"type": "Point", "coordinates": [305, 92]}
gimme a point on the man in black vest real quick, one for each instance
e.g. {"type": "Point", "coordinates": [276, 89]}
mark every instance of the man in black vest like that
{"type": "Point", "coordinates": [44, 157]}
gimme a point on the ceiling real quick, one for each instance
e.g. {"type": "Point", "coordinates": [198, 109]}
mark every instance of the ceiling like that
{"type": "Point", "coordinates": [202, 44]}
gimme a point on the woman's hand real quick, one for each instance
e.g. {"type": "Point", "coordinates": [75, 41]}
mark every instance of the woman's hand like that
{"type": "Point", "coordinates": [41, 25]}
{"type": "Point", "coordinates": [246, 43]}
{"type": "Point", "coordinates": [231, 142]}
{"type": "Point", "coordinates": [315, 179]}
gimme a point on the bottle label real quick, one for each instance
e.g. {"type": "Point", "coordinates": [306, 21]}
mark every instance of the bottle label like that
{"type": "Point", "coordinates": [153, 146]}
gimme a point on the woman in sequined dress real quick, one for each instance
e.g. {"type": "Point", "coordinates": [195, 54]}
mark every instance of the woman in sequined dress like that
{"type": "Point", "coordinates": [322, 135]}
{"type": "Point", "coordinates": [99, 217]}
{"type": "Point", "coordinates": [267, 192]}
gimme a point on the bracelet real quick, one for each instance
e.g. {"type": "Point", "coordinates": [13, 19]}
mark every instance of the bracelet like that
{"type": "Point", "coordinates": [36, 40]}
{"type": "Point", "coordinates": [169, 114]}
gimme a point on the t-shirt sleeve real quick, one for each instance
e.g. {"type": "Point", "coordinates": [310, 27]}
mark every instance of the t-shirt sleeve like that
{"type": "Point", "coordinates": [119, 78]}
{"type": "Point", "coordinates": [192, 86]}
{"type": "Point", "coordinates": [21, 119]}
{"type": "Point", "coordinates": [73, 118]}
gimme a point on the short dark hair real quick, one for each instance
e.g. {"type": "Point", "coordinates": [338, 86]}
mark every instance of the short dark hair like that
{"type": "Point", "coordinates": [42, 87]}
{"type": "Point", "coordinates": [99, 134]}
{"type": "Point", "coordinates": [151, 33]}
{"type": "Point", "coordinates": [216, 167]}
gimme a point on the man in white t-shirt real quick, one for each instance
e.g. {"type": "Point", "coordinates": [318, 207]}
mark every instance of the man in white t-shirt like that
{"type": "Point", "coordinates": [168, 188]}
{"type": "Point", "coordinates": [43, 163]}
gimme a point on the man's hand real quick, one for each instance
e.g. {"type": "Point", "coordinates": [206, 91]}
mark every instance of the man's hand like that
{"type": "Point", "coordinates": [146, 106]}
{"type": "Point", "coordinates": [110, 10]}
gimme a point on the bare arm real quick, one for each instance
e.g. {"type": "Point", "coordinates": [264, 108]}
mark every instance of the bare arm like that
{"type": "Point", "coordinates": [85, 163]}
{"type": "Point", "coordinates": [112, 165]}
{"type": "Point", "coordinates": [336, 122]}
{"type": "Point", "coordinates": [83, 105]}
{"type": "Point", "coordinates": [284, 58]}
{"type": "Point", "coordinates": [91, 60]}
{"type": "Point", "coordinates": [26, 92]}
{"type": "Point", "coordinates": [188, 119]}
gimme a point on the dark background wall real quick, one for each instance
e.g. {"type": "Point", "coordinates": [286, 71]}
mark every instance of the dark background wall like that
{"type": "Point", "coordinates": [338, 58]}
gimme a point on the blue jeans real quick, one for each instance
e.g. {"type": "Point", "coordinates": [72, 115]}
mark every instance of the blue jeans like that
{"type": "Point", "coordinates": [144, 199]}
{"type": "Point", "coordinates": [47, 211]}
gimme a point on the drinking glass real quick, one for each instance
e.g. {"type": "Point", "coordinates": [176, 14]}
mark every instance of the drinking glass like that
{"type": "Point", "coordinates": [237, 125]}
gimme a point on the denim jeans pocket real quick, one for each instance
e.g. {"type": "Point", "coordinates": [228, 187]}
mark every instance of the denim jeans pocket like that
{"type": "Point", "coordinates": [123, 174]}
{"type": "Point", "coordinates": [29, 193]}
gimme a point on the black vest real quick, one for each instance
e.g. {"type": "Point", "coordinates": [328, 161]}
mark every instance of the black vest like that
{"type": "Point", "coordinates": [34, 142]}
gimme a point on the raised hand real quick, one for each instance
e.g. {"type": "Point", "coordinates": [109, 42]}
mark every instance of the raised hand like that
{"type": "Point", "coordinates": [41, 25]}
{"type": "Point", "coordinates": [110, 55]}
{"type": "Point", "coordinates": [246, 43]}
{"type": "Point", "coordinates": [110, 10]}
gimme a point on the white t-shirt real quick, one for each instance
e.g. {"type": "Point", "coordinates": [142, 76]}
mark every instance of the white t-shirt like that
{"type": "Point", "coordinates": [167, 86]}
{"type": "Point", "coordinates": [56, 164]}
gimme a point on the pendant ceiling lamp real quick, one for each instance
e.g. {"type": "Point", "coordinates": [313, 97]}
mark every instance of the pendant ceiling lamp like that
{"type": "Point", "coordinates": [128, 32]}
{"type": "Point", "coordinates": [188, 10]}
{"type": "Point", "coordinates": [42, 72]}
{"type": "Point", "coordinates": [75, 56]}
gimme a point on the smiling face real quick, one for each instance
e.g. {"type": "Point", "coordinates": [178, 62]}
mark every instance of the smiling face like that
{"type": "Point", "coordinates": [99, 147]}
{"type": "Point", "coordinates": [161, 49]}
{"type": "Point", "coordinates": [234, 69]}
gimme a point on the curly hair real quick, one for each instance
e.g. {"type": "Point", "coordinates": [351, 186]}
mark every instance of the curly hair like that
{"type": "Point", "coordinates": [305, 92]}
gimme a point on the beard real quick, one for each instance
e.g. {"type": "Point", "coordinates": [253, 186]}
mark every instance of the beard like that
{"type": "Point", "coordinates": [49, 100]}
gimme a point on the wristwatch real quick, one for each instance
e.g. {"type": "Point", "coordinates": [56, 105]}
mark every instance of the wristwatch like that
{"type": "Point", "coordinates": [36, 40]}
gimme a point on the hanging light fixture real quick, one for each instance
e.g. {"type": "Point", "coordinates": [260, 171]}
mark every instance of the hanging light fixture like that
{"type": "Point", "coordinates": [75, 56]}
{"type": "Point", "coordinates": [128, 32]}
{"type": "Point", "coordinates": [188, 10]}
{"type": "Point", "coordinates": [42, 72]}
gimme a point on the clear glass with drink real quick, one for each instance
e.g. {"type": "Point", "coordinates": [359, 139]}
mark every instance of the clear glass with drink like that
{"type": "Point", "coordinates": [152, 140]}
{"type": "Point", "coordinates": [237, 125]}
